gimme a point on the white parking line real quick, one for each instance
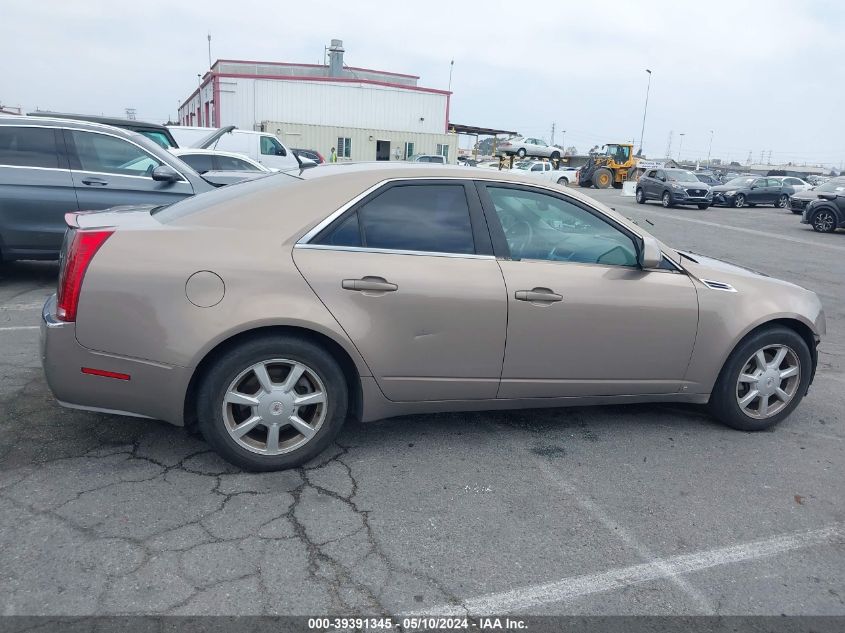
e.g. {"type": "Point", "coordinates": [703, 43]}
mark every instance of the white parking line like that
{"type": "Point", "coordinates": [577, 586]}
{"type": "Point", "coordinates": [742, 229]}
{"type": "Point", "coordinates": [36, 305]}
{"type": "Point", "coordinates": [15, 328]}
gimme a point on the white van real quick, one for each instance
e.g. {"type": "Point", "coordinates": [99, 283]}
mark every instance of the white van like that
{"type": "Point", "coordinates": [262, 147]}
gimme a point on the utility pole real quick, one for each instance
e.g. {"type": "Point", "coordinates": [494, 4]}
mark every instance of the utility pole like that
{"type": "Point", "coordinates": [680, 146]}
{"type": "Point", "coordinates": [669, 145]}
{"type": "Point", "coordinates": [709, 147]}
{"type": "Point", "coordinates": [553, 134]}
{"type": "Point", "coordinates": [451, 66]}
{"type": "Point", "coordinates": [645, 109]}
{"type": "Point", "coordinates": [209, 51]}
{"type": "Point", "coordinates": [563, 142]}
{"type": "Point", "coordinates": [748, 160]}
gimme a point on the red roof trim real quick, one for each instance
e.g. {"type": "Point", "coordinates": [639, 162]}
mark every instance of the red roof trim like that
{"type": "Point", "coordinates": [369, 70]}
{"type": "Point", "coordinates": [332, 80]}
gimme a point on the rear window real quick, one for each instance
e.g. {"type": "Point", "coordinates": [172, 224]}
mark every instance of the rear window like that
{"type": "Point", "coordinates": [194, 204]}
{"type": "Point", "coordinates": [28, 147]}
{"type": "Point", "coordinates": [201, 163]}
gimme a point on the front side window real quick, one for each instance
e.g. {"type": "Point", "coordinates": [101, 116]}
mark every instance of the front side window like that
{"type": "Point", "coordinates": [28, 147]}
{"type": "Point", "coordinates": [230, 163]}
{"type": "Point", "coordinates": [428, 218]}
{"type": "Point", "coordinates": [652, 174]}
{"type": "Point", "coordinates": [111, 155]}
{"type": "Point", "coordinates": [271, 147]}
{"type": "Point", "coordinates": [544, 227]}
{"type": "Point", "coordinates": [200, 162]}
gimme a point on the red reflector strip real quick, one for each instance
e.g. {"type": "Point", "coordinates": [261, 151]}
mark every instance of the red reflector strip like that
{"type": "Point", "coordinates": [104, 373]}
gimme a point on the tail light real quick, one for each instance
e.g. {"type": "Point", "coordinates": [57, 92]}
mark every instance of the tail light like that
{"type": "Point", "coordinates": [80, 247]}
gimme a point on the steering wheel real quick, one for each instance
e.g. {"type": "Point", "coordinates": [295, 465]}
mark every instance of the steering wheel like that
{"type": "Point", "coordinates": [519, 236]}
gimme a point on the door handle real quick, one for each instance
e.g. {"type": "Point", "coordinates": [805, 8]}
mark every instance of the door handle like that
{"type": "Point", "coordinates": [376, 284]}
{"type": "Point", "coordinates": [94, 182]}
{"type": "Point", "coordinates": [537, 295]}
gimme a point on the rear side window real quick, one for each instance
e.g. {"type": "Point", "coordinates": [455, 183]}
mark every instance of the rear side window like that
{"type": "Point", "coordinates": [200, 162]}
{"type": "Point", "coordinates": [230, 163]}
{"type": "Point", "coordinates": [429, 218]}
{"type": "Point", "coordinates": [28, 147]}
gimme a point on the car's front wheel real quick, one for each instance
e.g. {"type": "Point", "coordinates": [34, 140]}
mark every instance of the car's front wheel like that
{"type": "Point", "coordinates": [521, 152]}
{"type": "Point", "coordinates": [640, 195]}
{"type": "Point", "coordinates": [823, 221]}
{"type": "Point", "coordinates": [272, 403]}
{"type": "Point", "coordinates": [763, 380]}
{"type": "Point", "coordinates": [739, 201]}
{"type": "Point", "coordinates": [703, 206]}
{"type": "Point", "coordinates": [667, 200]}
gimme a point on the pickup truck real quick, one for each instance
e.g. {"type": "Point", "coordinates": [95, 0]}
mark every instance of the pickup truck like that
{"type": "Point", "coordinates": [546, 171]}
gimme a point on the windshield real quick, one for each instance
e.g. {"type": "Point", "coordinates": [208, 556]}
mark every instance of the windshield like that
{"type": "Point", "coordinates": [837, 186]}
{"type": "Point", "coordinates": [741, 182]}
{"type": "Point", "coordinates": [524, 165]}
{"type": "Point", "coordinates": [681, 176]}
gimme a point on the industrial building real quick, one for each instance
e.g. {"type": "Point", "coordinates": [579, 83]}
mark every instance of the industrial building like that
{"type": "Point", "coordinates": [364, 114]}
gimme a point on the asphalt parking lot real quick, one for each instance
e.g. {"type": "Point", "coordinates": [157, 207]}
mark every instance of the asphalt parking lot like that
{"type": "Point", "coordinates": [612, 510]}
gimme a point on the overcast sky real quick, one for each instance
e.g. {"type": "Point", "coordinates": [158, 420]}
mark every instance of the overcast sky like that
{"type": "Point", "coordinates": [764, 75]}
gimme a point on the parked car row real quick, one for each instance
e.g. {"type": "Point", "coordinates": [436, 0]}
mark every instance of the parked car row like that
{"type": "Point", "coordinates": [753, 190]}
{"type": "Point", "coordinates": [823, 207]}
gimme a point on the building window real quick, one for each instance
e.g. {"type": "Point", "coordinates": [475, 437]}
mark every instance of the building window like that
{"type": "Point", "coordinates": [344, 147]}
{"type": "Point", "coordinates": [443, 150]}
{"type": "Point", "coordinates": [409, 150]}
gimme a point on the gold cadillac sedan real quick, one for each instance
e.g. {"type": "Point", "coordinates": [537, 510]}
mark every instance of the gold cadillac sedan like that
{"type": "Point", "coordinates": [269, 312]}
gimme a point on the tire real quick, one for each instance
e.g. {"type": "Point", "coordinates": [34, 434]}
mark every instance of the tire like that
{"type": "Point", "coordinates": [640, 195]}
{"type": "Point", "coordinates": [724, 402]}
{"type": "Point", "coordinates": [563, 180]}
{"type": "Point", "coordinates": [233, 372]}
{"type": "Point", "coordinates": [823, 221]}
{"type": "Point", "coordinates": [703, 206]}
{"type": "Point", "coordinates": [521, 152]}
{"type": "Point", "coordinates": [666, 199]}
{"type": "Point", "coordinates": [739, 201]}
{"type": "Point", "coordinates": [585, 183]}
{"type": "Point", "coordinates": [782, 202]}
{"type": "Point", "coordinates": [603, 178]}
{"type": "Point", "coordinates": [555, 156]}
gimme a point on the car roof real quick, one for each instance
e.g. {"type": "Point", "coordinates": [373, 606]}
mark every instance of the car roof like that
{"type": "Point", "coordinates": [39, 121]}
{"type": "Point", "coordinates": [92, 118]}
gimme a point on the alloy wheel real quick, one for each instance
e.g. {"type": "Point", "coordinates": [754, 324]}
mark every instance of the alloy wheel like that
{"type": "Point", "coordinates": [768, 381]}
{"type": "Point", "coordinates": [275, 406]}
{"type": "Point", "coordinates": [739, 201]}
{"type": "Point", "coordinates": [824, 222]}
{"type": "Point", "coordinates": [667, 200]}
{"type": "Point", "coordinates": [783, 202]}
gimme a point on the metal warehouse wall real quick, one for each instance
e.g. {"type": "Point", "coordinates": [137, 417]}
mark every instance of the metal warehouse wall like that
{"type": "Point", "coordinates": [323, 138]}
{"type": "Point", "coordinates": [245, 102]}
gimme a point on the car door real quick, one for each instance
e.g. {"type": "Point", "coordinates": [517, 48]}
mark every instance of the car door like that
{"type": "Point", "coordinates": [758, 192]}
{"type": "Point", "coordinates": [36, 190]}
{"type": "Point", "coordinates": [110, 171]}
{"type": "Point", "coordinates": [656, 184]}
{"type": "Point", "coordinates": [583, 318]}
{"type": "Point", "coordinates": [410, 275]}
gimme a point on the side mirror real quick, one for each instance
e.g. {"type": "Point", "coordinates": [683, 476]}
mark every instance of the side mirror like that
{"type": "Point", "coordinates": [663, 178]}
{"type": "Point", "coordinates": [166, 173]}
{"type": "Point", "coordinates": [651, 255]}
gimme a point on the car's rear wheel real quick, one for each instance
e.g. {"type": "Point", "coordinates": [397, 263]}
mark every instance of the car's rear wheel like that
{"type": "Point", "coordinates": [667, 200]}
{"type": "Point", "coordinates": [272, 403]}
{"type": "Point", "coordinates": [823, 221]}
{"type": "Point", "coordinates": [640, 196]}
{"type": "Point", "coordinates": [555, 156]}
{"type": "Point", "coordinates": [521, 152]}
{"type": "Point", "coordinates": [563, 181]}
{"type": "Point", "coordinates": [763, 380]}
{"type": "Point", "coordinates": [739, 201]}
{"type": "Point", "coordinates": [782, 201]}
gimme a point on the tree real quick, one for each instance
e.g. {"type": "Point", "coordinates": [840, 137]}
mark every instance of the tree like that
{"type": "Point", "coordinates": [570, 151]}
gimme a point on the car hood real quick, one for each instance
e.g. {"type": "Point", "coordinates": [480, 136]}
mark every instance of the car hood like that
{"type": "Point", "coordinates": [807, 194]}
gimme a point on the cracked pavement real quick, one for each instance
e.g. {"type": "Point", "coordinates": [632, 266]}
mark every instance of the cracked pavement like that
{"type": "Point", "coordinates": [107, 515]}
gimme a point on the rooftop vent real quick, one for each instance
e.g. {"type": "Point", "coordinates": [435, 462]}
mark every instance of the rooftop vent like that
{"type": "Point", "coordinates": [336, 58]}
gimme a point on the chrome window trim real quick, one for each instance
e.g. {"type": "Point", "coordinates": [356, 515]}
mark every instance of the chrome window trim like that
{"type": "Point", "coordinates": [389, 251]}
{"type": "Point", "coordinates": [4, 165]}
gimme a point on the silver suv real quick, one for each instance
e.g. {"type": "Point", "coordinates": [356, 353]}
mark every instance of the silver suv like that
{"type": "Point", "coordinates": [49, 167]}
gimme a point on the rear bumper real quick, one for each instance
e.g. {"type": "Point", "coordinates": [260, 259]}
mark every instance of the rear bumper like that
{"type": "Point", "coordinates": [153, 390]}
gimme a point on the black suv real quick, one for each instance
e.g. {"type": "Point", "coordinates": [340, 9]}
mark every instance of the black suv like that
{"type": "Point", "coordinates": [827, 212]}
{"type": "Point", "coordinates": [673, 187]}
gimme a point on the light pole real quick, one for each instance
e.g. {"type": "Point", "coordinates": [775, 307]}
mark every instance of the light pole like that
{"type": "Point", "coordinates": [680, 146]}
{"type": "Point", "coordinates": [645, 109]}
{"type": "Point", "coordinates": [451, 66]}
{"type": "Point", "coordinates": [563, 141]}
{"type": "Point", "coordinates": [709, 147]}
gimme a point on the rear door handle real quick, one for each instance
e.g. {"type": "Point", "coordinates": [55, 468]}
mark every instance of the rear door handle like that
{"type": "Point", "coordinates": [94, 182]}
{"type": "Point", "coordinates": [538, 295]}
{"type": "Point", "coordinates": [376, 284]}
